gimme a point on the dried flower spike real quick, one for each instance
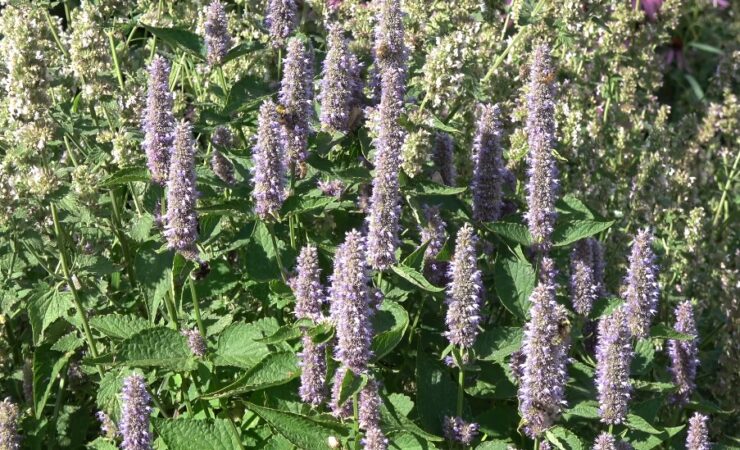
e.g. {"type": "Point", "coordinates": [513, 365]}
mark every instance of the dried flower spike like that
{"type": "Point", "coordinates": [684, 354]}
{"type": "Point", "coordinates": [158, 122]}
{"type": "Point", "coordinates": [217, 38]}
{"type": "Point", "coordinates": [268, 173]}
{"type": "Point", "coordinates": [444, 157]}
{"type": "Point", "coordinates": [181, 222]}
{"type": "Point", "coordinates": [135, 413]}
{"type": "Point", "coordinates": [488, 166]}
{"type": "Point", "coordinates": [642, 289]}
{"type": "Point", "coordinates": [613, 359]}
{"type": "Point", "coordinates": [464, 291]}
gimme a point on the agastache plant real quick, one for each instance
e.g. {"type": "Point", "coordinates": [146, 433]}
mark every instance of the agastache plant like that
{"type": "Point", "coordinates": [435, 233]}
{"type": "Point", "coordinates": [217, 38]}
{"type": "Point", "coordinates": [341, 85]}
{"type": "Point", "coordinates": [389, 49]}
{"type": "Point", "coordinates": [158, 122]}
{"type": "Point", "coordinates": [488, 166]}
{"type": "Point", "coordinates": [444, 157]}
{"type": "Point", "coordinates": [369, 417]}
{"type": "Point", "coordinates": [9, 418]}
{"type": "Point", "coordinates": [281, 19]}
{"type": "Point", "coordinates": [196, 342]}
{"type": "Point", "coordinates": [269, 170]}
{"type": "Point", "coordinates": [542, 185]}
{"type": "Point", "coordinates": [457, 430]}
{"type": "Point", "coordinates": [181, 222]}
{"type": "Point", "coordinates": [464, 292]}
{"type": "Point", "coordinates": [312, 360]}
{"type": "Point", "coordinates": [605, 441]}
{"type": "Point", "coordinates": [545, 347]}
{"type": "Point", "coordinates": [684, 354]}
{"type": "Point", "coordinates": [135, 413]}
{"type": "Point", "coordinates": [296, 97]}
{"type": "Point", "coordinates": [586, 275]}
{"type": "Point", "coordinates": [222, 168]}
{"type": "Point", "coordinates": [613, 359]}
{"type": "Point", "coordinates": [697, 437]}
{"type": "Point", "coordinates": [641, 285]}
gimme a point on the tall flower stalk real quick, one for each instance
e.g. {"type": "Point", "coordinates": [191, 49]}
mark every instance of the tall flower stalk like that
{"type": "Point", "coordinates": [697, 437]}
{"type": "Point", "coordinates": [281, 19]}
{"type": "Point", "coordinates": [135, 413]}
{"type": "Point", "coordinates": [464, 292]}
{"type": "Point", "coordinates": [684, 354]}
{"type": "Point", "coordinates": [158, 122]}
{"type": "Point", "coordinates": [586, 275]}
{"type": "Point", "coordinates": [641, 290]}
{"type": "Point", "coordinates": [296, 99]}
{"type": "Point", "coordinates": [613, 359]}
{"type": "Point", "coordinates": [444, 157]}
{"type": "Point", "coordinates": [341, 85]}
{"type": "Point", "coordinates": [9, 418]}
{"type": "Point", "coordinates": [181, 222]}
{"type": "Point", "coordinates": [269, 171]}
{"type": "Point", "coordinates": [217, 37]}
{"type": "Point", "coordinates": [488, 166]}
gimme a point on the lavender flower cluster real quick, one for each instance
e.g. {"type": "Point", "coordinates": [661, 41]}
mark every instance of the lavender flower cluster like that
{"type": "Point", "coordinates": [296, 99]}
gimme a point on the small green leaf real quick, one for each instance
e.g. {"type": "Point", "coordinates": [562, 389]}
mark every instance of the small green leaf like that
{"type": "Point", "coordinates": [237, 345]}
{"type": "Point", "coordinates": [661, 331]}
{"type": "Point", "coordinates": [567, 232]}
{"type": "Point", "coordinates": [431, 188]}
{"type": "Point", "coordinates": [605, 306]}
{"type": "Point", "coordinates": [564, 439]}
{"type": "Point", "coordinates": [515, 232]}
{"type": "Point", "coordinates": [698, 91]}
{"type": "Point", "coordinates": [352, 384]}
{"type": "Point", "coordinates": [47, 365]}
{"type": "Point", "coordinates": [390, 323]}
{"type": "Point", "coordinates": [191, 434]}
{"type": "Point", "coordinates": [439, 125]}
{"type": "Point", "coordinates": [638, 423]}
{"type": "Point", "coordinates": [157, 347]}
{"type": "Point", "coordinates": [706, 48]}
{"type": "Point", "coordinates": [514, 280]}
{"type": "Point", "coordinates": [178, 37]}
{"type": "Point", "coordinates": [284, 333]}
{"type": "Point", "coordinates": [301, 431]}
{"type": "Point", "coordinates": [119, 326]}
{"type": "Point", "coordinates": [588, 409]}
{"type": "Point", "coordinates": [274, 370]}
{"type": "Point", "coordinates": [127, 175]}
{"type": "Point", "coordinates": [644, 355]}
{"type": "Point", "coordinates": [416, 278]}
{"type": "Point", "coordinates": [647, 441]}
{"type": "Point", "coordinates": [245, 48]}
{"type": "Point", "coordinates": [44, 309]}
{"type": "Point", "coordinates": [246, 91]}
{"type": "Point", "coordinates": [495, 344]}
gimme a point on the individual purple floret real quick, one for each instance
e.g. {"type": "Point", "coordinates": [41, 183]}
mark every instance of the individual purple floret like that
{"type": "Point", "coordinates": [605, 441]}
{"type": "Point", "coordinates": [684, 354]}
{"type": "Point", "coordinates": [222, 167]}
{"type": "Point", "coordinates": [307, 288]}
{"type": "Point", "coordinates": [296, 98]}
{"type": "Point", "coordinates": [444, 157]}
{"type": "Point", "coordinates": [222, 137]}
{"type": "Point", "coordinates": [385, 210]}
{"type": "Point", "coordinates": [344, 410]}
{"type": "Point", "coordinates": [333, 188]}
{"type": "Point", "coordinates": [698, 434]}
{"type": "Point", "coordinates": [585, 268]}
{"type": "Point", "coordinates": [457, 430]}
{"type": "Point", "coordinates": [196, 342]}
{"type": "Point", "coordinates": [9, 418]}
{"type": "Point", "coordinates": [435, 233]}
{"type": "Point", "coordinates": [542, 186]}
{"type": "Point", "coordinates": [350, 304]}
{"type": "Point", "coordinates": [312, 359]}
{"type": "Point", "coordinates": [488, 166]}
{"type": "Point", "coordinates": [281, 19]}
{"type": "Point", "coordinates": [217, 38]}
{"type": "Point", "coordinates": [135, 412]}
{"type": "Point", "coordinates": [269, 157]}
{"type": "Point", "coordinates": [613, 359]}
{"type": "Point", "coordinates": [158, 122]}
{"type": "Point", "coordinates": [642, 291]}
{"type": "Point", "coordinates": [341, 85]}
{"type": "Point", "coordinates": [181, 222]}
{"type": "Point", "coordinates": [464, 291]}
{"type": "Point", "coordinates": [542, 387]}
{"type": "Point", "coordinates": [107, 426]}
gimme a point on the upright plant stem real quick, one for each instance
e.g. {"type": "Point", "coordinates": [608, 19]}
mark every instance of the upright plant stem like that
{"type": "Point", "coordinates": [170, 302]}
{"type": "Point", "coordinates": [460, 386]}
{"type": "Point", "coordinates": [356, 416]}
{"type": "Point", "coordinates": [196, 308]}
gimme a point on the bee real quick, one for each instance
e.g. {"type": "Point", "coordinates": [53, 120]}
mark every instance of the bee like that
{"type": "Point", "coordinates": [382, 51]}
{"type": "Point", "coordinates": [563, 328]}
{"type": "Point", "coordinates": [201, 272]}
{"type": "Point", "coordinates": [549, 77]}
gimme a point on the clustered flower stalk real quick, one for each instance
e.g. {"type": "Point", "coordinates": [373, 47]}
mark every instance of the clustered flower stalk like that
{"type": "Point", "coordinates": [697, 437]}
{"type": "Point", "coordinates": [268, 172]}
{"type": "Point", "coordinates": [586, 275]}
{"type": "Point", "coordinates": [296, 99]}
{"type": "Point", "coordinates": [89, 53]}
{"type": "Point", "coordinates": [642, 291]}
{"type": "Point", "coordinates": [196, 342]}
{"type": "Point", "coordinates": [135, 413]}
{"type": "Point", "coordinates": [222, 168]}
{"type": "Point", "coordinates": [181, 222]}
{"type": "Point", "coordinates": [369, 417]}
{"type": "Point", "coordinates": [684, 354]}
{"type": "Point", "coordinates": [281, 19]}
{"type": "Point", "coordinates": [435, 233]}
{"type": "Point", "coordinates": [444, 157]}
{"type": "Point", "coordinates": [542, 185]}
{"type": "Point", "coordinates": [613, 359]}
{"type": "Point", "coordinates": [457, 430]}
{"type": "Point", "coordinates": [9, 418]}
{"type": "Point", "coordinates": [488, 166]}
{"type": "Point", "coordinates": [605, 441]}
{"type": "Point", "coordinates": [542, 386]}
{"type": "Point", "coordinates": [158, 122]}
{"type": "Point", "coordinates": [341, 85]}
{"type": "Point", "coordinates": [464, 292]}
{"type": "Point", "coordinates": [217, 38]}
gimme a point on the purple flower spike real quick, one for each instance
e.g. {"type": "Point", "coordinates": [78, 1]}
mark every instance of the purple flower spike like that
{"type": "Point", "coordinates": [434, 232]}
{"type": "Point", "coordinates": [217, 38]}
{"type": "Point", "coordinates": [307, 288]}
{"type": "Point", "coordinates": [281, 19]}
{"type": "Point", "coordinates": [158, 122]}
{"type": "Point", "coordinates": [684, 354]}
{"type": "Point", "coordinates": [542, 387]}
{"type": "Point", "coordinates": [698, 434]}
{"type": "Point", "coordinates": [344, 410]}
{"type": "Point", "coordinates": [296, 98]}
{"type": "Point", "coordinates": [222, 167]}
{"type": "Point", "coordinates": [542, 186]}
{"type": "Point", "coordinates": [268, 173]}
{"type": "Point", "coordinates": [642, 289]}
{"type": "Point", "coordinates": [313, 372]}
{"type": "Point", "coordinates": [464, 291]}
{"type": "Point", "coordinates": [488, 166]}
{"type": "Point", "coordinates": [613, 359]}
{"type": "Point", "coordinates": [222, 137]}
{"type": "Point", "coordinates": [333, 188]}
{"type": "Point", "coordinates": [341, 85]}
{"type": "Point", "coordinates": [605, 441]}
{"type": "Point", "coordinates": [196, 342]}
{"type": "Point", "coordinates": [444, 157]}
{"type": "Point", "coordinates": [369, 406]}
{"type": "Point", "coordinates": [181, 222]}
{"type": "Point", "coordinates": [458, 430]}
{"type": "Point", "coordinates": [350, 304]}
{"type": "Point", "coordinates": [375, 440]}
{"type": "Point", "coordinates": [9, 417]}
{"type": "Point", "coordinates": [135, 412]}
{"type": "Point", "coordinates": [390, 49]}
{"type": "Point", "coordinates": [586, 275]}
{"type": "Point", "coordinates": [107, 427]}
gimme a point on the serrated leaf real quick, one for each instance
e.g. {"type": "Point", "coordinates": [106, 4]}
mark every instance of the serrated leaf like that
{"type": "Point", "coordinates": [661, 331]}
{"type": "Point", "coordinates": [564, 439]}
{"type": "Point", "coordinates": [638, 423]}
{"type": "Point", "coordinates": [178, 37]}
{"type": "Point", "coordinates": [47, 364]}
{"type": "Point", "coordinates": [566, 233]}
{"type": "Point", "coordinates": [352, 384]}
{"type": "Point", "coordinates": [436, 393]}
{"type": "Point", "coordinates": [605, 306]}
{"type": "Point", "coordinates": [274, 370]}
{"type": "Point", "coordinates": [515, 232]}
{"type": "Point", "coordinates": [108, 398]}
{"type": "Point", "coordinates": [644, 355]}
{"type": "Point", "coordinates": [191, 434]}
{"type": "Point", "coordinates": [416, 259]}
{"type": "Point", "coordinates": [44, 309]}
{"type": "Point", "coordinates": [570, 205]}
{"type": "Point", "coordinates": [494, 445]}
{"type": "Point", "coordinates": [127, 175]}
{"type": "Point", "coordinates": [390, 323]}
{"type": "Point", "coordinates": [301, 431]}
{"type": "Point", "coordinates": [416, 278]}
{"type": "Point", "coordinates": [244, 48]}
{"type": "Point", "coordinates": [647, 441]}
{"type": "Point", "coordinates": [237, 345]}
{"type": "Point", "coordinates": [284, 333]}
{"type": "Point", "coordinates": [118, 326]}
{"type": "Point", "coordinates": [495, 344]}
{"type": "Point", "coordinates": [157, 347]}
{"type": "Point", "coordinates": [514, 280]}
{"type": "Point", "coordinates": [247, 90]}
{"type": "Point", "coordinates": [588, 409]}
{"type": "Point", "coordinates": [653, 386]}
{"type": "Point", "coordinates": [431, 188]}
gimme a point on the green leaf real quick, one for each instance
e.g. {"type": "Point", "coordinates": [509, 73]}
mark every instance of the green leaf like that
{"type": "Point", "coordinates": [274, 370]}
{"type": "Point", "coordinates": [438, 124]}
{"type": "Point", "coordinates": [564, 439]}
{"type": "Point", "coordinates": [492, 382]}
{"type": "Point", "coordinates": [127, 175]}
{"type": "Point", "coordinates": [588, 409]}
{"type": "Point", "coordinates": [514, 280]}
{"type": "Point", "coordinates": [44, 309]}
{"type": "Point", "coordinates": [416, 259]}
{"type": "Point", "coordinates": [661, 331]}
{"type": "Point", "coordinates": [705, 48]}
{"type": "Point", "coordinates": [248, 90]}
{"type": "Point", "coordinates": [653, 386]}
{"type": "Point", "coordinates": [572, 206]}
{"type": "Point", "coordinates": [495, 344]}
{"type": "Point", "coordinates": [494, 445]}
{"type": "Point", "coordinates": [192, 434]}
{"type": "Point", "coordinates": [515, 232]}
{"type": "Point", "coordinates": [605, 306]}
{"type": "Point", "coordinates": [237, 345]}
{"type": "Point", "coordinates": [416, 278]}
{"type": "Point", "coordinates": [431, 188]}
{"type": "Point", "coordinates": [108, 398]}
{"type": "Point", "coordinates": [644, 355]}
{"type": "Point", "coordinates": [47, 365]}
{"type": "Point", "coordinates": [647, 441]}
{"type": "Point", "coordinates": [351, 384]}
{"type": "Point", "coordinates": [567, 232]}
{"type": "Point", "coordinates": [284, 333]}
{"type": "Point", "coordinates": [118, 326]}
{"type": "Point", "coordinates": [638, 423]}
{"type": "Point", "coordinates": [695, 86]}
{"type": "Point", "coordinates": [177, 37]}
{"type": "Point", "coordinates": [436, 393]}
{"type": "Point", "coordinates": [301, 431]}
{"type": "Point", "coordinates": [498, 421]}
{"type": "Point", "coordinates": [157, 347]}
{"type": "Point", "coordinates": [390, 323]}
{"type": "Point", "coordinates": [245, 48]}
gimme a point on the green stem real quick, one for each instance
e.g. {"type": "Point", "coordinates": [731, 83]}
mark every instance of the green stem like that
{"type": "Point", "coordinates": [356, 416]}
{"type": "Point", "coordinates": [460, 386]}
{"type": "Point", "coordinates": [536, 444]}
{"type": "Point", "coordinates": [54, 34]}
{"type": "Point", "coordinates": [725, 189]}
{"type": "Point", "coordinates": [75, 294]}
{"type": "Point", "coordinates": [116, 64]}
{"type": "Point", "coordinates": [170, 302]}
{"type": "Point", "coordinates": [271, 229]}
{"type": "Point", "coordinates": [196, 308]}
